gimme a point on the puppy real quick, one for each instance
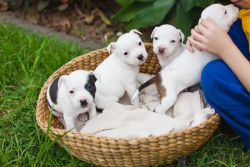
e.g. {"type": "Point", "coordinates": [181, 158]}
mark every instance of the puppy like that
{"type": "Point", "coordinates": [185, 70]}
{"type": "Point", "coordinates": [117, 74]}
{"type": "Point", "coordinates": [167, 43]}
{"type": "Point", "coordinates": [71, 95]}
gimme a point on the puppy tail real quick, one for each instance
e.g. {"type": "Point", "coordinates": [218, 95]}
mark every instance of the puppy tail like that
{"type": "Point", "coordinates": [135, 95]}
{"type": "Point", "coordinates": [153, 80]}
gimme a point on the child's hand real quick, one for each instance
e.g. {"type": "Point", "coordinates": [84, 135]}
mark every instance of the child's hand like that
{"type": "Point", "coordinates": [210, 37]}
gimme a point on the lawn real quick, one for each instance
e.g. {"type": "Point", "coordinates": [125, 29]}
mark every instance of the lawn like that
{"type": "Point", "coordinates": [26, 61]}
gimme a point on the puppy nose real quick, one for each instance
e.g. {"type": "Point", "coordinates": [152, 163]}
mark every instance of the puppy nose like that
{"type": "Point", "coordinates": [140, 57]}
{"type": "Point", "coordinates": [161, 50]}
{"type": "Point", "coordinates": [83, 102]}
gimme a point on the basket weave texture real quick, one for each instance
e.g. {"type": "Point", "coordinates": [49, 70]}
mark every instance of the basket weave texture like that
{"type": "Point", "coordinates": [103, 151]}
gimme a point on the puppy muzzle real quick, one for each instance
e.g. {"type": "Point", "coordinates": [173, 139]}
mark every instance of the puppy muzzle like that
{"type": "Point", "coordinates": [234, 8]}
{"type": "Point", "coordinates": [140, 57]}
{"type": "Point", "coordinates": [161, 50]}
{"type": "Point", "coordinates": [83, 103]}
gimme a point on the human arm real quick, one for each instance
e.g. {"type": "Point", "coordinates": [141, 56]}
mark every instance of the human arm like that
{"type": "Point", "coordinates": [210, 37]}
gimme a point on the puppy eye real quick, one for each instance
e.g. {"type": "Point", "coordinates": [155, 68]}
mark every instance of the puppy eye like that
{"type": "Point", "coordinates": [139, 43]}
{"type": "Point", "coordinates": [156, 38]}
{"type": "Point", "coordinates": [88, 86]}
{"type": "Point", "coordinates": [225, 12]}
{"type": "Point", "coordinates": [172, 41]}
{"type": "Point", "coordinates": [125, 53]}
{"type": "Point", "coordinates": [71, 91]}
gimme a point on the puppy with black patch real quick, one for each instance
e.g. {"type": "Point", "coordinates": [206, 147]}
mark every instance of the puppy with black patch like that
{"type": "Point", "coordinates": [117, 74]}
{"type": "Point", "coordinates": [72, 95]}
{"type": "Point", "coordinates": [167, 43]}
{"type": "Point", "coordinates": [185, 70]}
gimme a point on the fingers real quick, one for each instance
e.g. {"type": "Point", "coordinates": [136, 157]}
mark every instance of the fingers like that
{"type": "Point", "coordinates": [213, 25]}
{"type": "Point", "coordinates": [201, 29]}
{"type": "Point", "coordinates": [196, 36]}
{"type": "Point", "coordinates": [209, 20]}
{"type": "Point", "coordinates": [207, 23]}
{"type": "Point", "coordinates": [196, 44]}
{"type": "Point", "coordinates": [189, 46]}
{"type": "Point", "coordinates": [204, 23]}
{"type": "Point", "coordinates": [201, 35]}
{"type": "Point", "coordinates": [196, 29]}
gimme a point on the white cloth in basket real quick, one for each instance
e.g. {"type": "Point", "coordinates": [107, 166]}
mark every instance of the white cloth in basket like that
{"type": "Point", "coordinates": [127, 121]}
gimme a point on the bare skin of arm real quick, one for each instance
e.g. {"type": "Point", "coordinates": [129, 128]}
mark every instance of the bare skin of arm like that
{"type": "Point", "coordinates": [210, 37]}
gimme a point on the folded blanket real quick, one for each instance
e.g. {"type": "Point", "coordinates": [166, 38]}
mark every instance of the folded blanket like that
{"type": "Point", "coordinates": [126, 121]}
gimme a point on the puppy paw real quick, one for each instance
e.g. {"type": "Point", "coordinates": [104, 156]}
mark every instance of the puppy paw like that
{"type": "Point", "coordinates": [135, 95]}
{"type": "Point", "coordinates": [160, 109]}
{"type": "Point", "coordinates": [135, 102]}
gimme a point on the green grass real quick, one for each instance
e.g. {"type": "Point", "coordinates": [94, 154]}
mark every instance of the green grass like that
{"type": "Point", "coordinates": [26, 61]}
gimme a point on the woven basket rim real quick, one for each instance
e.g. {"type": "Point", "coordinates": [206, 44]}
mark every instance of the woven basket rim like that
{"type": "Point", "coordinates": [77, 134]}
{"type": "Point", "coordinates": [176, 133]}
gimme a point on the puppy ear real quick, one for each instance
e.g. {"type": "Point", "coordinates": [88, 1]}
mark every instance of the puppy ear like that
{"type": "Point", "coordinates": [181, 36]}
{"type": "Point", "coordinates": [92, 76]}
{"type": "Point", "coordinates": [97, 75]}
{"type": "Point", "coordinates": [153, 32]}
{"type": "Point", "coordinates": [135, 31]}
{"type": "Point", "coordinates": [61, 80]}
{"type": "Point", "coordinates": [111, 47]}
{"type": "Point", "coordinates": [53, 90]}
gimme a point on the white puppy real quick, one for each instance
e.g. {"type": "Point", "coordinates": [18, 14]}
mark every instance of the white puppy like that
{"type": "Point", "coordinates": [117, 74]}
{"type": "Point", "coordinates": [185, 70]}
{"type": "Point", "coordinates": [71, 95]}
{"type": "Point", "coordinates": [167, 43]}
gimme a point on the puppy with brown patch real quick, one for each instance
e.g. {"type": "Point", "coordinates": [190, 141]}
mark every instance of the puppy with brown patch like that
{"type": "Point", "coordinates": [185, 70]}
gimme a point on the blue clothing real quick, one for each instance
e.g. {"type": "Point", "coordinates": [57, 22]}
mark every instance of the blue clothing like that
{"type": "Point", "coordinates": [224, 92]}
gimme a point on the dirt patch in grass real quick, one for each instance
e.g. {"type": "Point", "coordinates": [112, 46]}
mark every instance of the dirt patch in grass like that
{"type": "Point", "coordinates": [88, 20]}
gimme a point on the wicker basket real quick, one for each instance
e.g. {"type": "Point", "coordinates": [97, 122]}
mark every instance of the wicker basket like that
{"type": "Point", "coordinates": [103, 151]}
